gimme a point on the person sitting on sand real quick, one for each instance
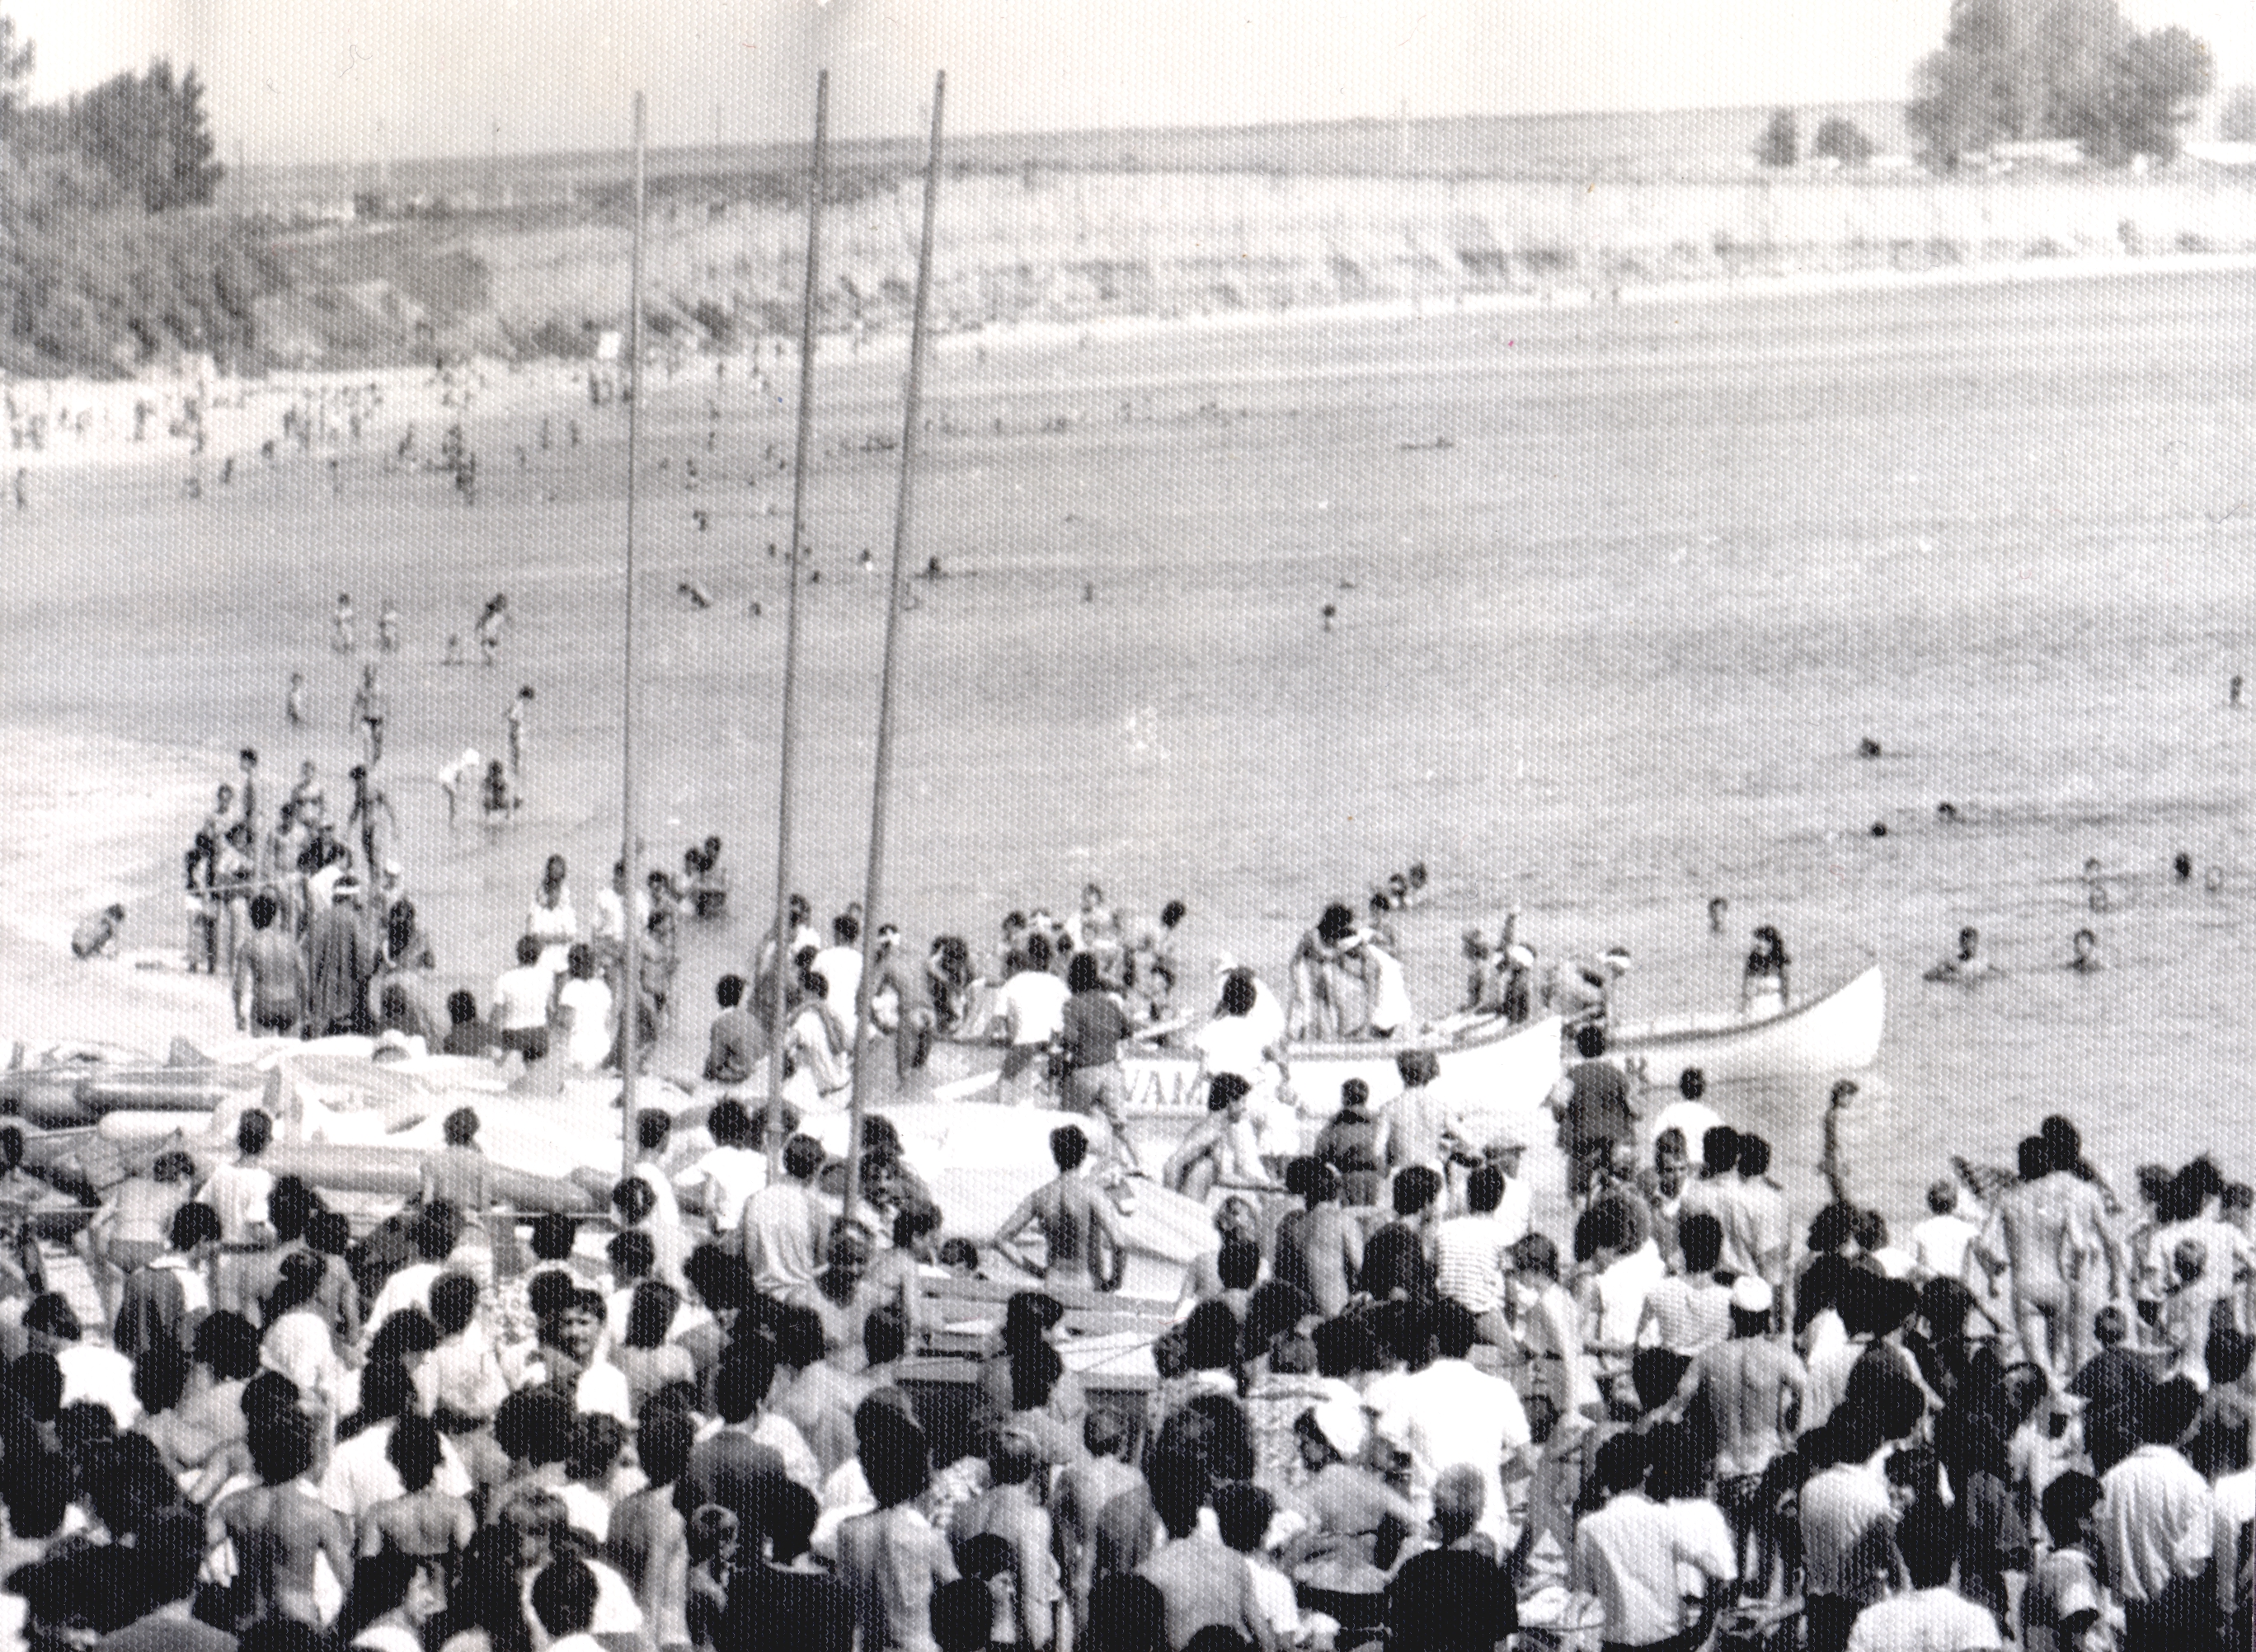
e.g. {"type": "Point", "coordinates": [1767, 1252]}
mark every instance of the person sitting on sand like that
{"type": "Point", "coordinates": [1218, 1149]}
{"type": "Point", "coordinates": [94, 933]}
{"type": "Point", "coordinates": [1970, 963]}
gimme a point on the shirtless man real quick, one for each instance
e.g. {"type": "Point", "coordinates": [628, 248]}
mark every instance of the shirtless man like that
{"type": "Point", "coordinates": [371, 706]}
{"type": "Point", "coordinates": [273, 970]}
{"type": "Point", "coordinates": [2048, 1230]}
{"type": "Point", "coordinates": [1319, 1249]}
{"type": "Point", "coordinates": [1750, 1386]}
{"type": "Point", "coordinates": [1218, 1148]}
{"type": "Point", "coordinates": [279, 1529]}
{"type": "Point", "coordinates": [1077, 1219]}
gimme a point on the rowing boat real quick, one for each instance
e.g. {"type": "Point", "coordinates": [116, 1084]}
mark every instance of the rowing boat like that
{"type": "Point", "coordinates": [1836, 1033]}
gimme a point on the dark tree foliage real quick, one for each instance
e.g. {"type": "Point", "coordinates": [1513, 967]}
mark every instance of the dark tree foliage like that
{"type": "Point", "coordinates": [2024, 69]}
{"type": "Point", "coordinates": [148, 132]}
{"type": "Point", "coordinates": [1842, 139]}
{"type": "Point", "coordinates": [1781, 140]}
{"type": "Point", "coordinates": [96, 275]}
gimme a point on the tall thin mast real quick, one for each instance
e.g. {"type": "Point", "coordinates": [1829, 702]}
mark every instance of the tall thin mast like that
{"type": "Point", "coordinates": [881, 786]}
{"type": "Point", "coordinates": [787, 771]}
{"type": "Point", "coordinates": [631, 838]}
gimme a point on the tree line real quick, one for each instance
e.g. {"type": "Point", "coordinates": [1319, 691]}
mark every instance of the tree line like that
{"type": "Point", "coordinates": [105, 264]}
{"type": "Point", "coordinates": [2012, 71]}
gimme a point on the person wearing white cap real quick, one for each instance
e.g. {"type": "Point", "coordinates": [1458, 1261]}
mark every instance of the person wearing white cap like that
{"type": "Point", "coordinates": [1750, 1384]}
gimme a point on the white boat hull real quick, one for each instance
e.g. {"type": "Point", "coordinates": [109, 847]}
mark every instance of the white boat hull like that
{"type": "Point", "coordinates": [1837, 1033]}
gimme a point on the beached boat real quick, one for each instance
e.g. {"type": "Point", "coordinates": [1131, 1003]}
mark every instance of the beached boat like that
{"type": "Point", "coordinates": [1495, 1069]}
{"type": "Point", "coordinates": [1836, 1033]}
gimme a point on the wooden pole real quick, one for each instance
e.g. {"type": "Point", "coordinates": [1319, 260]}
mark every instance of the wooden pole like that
{"type": "Point", "coordinates": [873, 887]}
{"type": "Point", "coordinates": [787, 765]}
{"type": "Point", "coordinates": [630, 838]}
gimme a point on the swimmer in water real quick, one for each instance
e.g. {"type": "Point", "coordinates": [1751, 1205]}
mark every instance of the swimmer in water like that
{"type": "Point", "coordinates": [1969, 964]}
{"type": "Point", "coordinates": [1716, 907]}
{"type": "Point", "coordinates": [2183, 865]}
{"type": "Point", "coordinates": [2095, 890]}
{"type": "Point", "coordinates": [2086, 961]}
{"type": "Point", "coordinates": [2232, 697]}
{"type": "Point", "coordinates": [1947, 812]}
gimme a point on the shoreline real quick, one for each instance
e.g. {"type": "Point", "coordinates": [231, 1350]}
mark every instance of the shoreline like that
{"type": "Point", "coordinates": [242, 411]}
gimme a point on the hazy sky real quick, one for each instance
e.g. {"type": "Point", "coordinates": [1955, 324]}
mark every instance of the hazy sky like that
{"type": "Point", "coordinates": [350, 80]}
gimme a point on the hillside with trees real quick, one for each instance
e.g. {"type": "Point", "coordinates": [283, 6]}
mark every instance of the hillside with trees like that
{"type": "Point", "coordinates": [107, 262]}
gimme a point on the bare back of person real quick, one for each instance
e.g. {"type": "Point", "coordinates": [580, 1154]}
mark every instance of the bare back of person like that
{"type": "Point", "coordinates": [278, 979]}
{"type": "Point", "coordinates": [1328, 1262]}
{"type": "Point", "coordinates": [1203, 1583]}
{"type": "Point", "coordinates": [280, 1535]}
{"type": "Point", "coordinates": [1746, 1381]}
{"type": "Point", "coordinates": [425, 1524]}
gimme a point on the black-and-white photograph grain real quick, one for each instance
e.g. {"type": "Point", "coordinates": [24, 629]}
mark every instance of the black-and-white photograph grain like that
{"type": "Point", "coordinates": [1303, 825]}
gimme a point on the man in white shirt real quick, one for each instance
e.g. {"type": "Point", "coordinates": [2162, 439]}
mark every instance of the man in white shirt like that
{"type": "Point", "coordinates": [90, 1371]}
{"type": "Point", "coordinates": [783, 1223]}
{"type": "Point", "coordinates": [1628, 1554]}
{"type": "Point", "coordinates": [732, 1173]}
{"type": "Point", "coordinates": [1033, 1009]}
{"type": "Point", "coordinates": [521, 1001]}
{"type": "Point", "coordinates": [839, 966]}
{"type": "Point", "coordinates": [1930, 1616]}
{"type": "Point", "coordinates": [238, 1193]}
{"type": "Point", "coordinates": [568, 1352]}
{"type": "Point", "coordinates": [410, 1287]}
{"type": "Point", "coordinates": [1442, 1411]}
{"type": "Point", "coordinates": [2157, 1520]}
{"type": "Point", "coordinates": [1938, 1245]}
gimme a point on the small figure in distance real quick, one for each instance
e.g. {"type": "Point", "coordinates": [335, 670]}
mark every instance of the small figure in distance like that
{"type": "Point", "coordinates": [454, 649]}
{"type": "Point", "coordinates": [2086, 961]}
{"type": "Point", "coordinates": [695, 593]}
{"type": "Point", "coordinates": [459, 780]}
{"type": "Point", "coordinates": [1416, 894]}
{"type": "Point", "coordinates": [2232, 695]}
{"type": "Point", "coordinates": [2213, 880]}
{"type": "Point", "coordinates": [2095, 890]}
{"type": "Point", "coordinates": [1969, 964]}
{"type": "Point", "coordinates": [340, 623]}
{"type": "Point", "coordinates": [496, 800]}
{"type": "Point", "coordinates": [293, 703]}
{"type": "Point", "coordinates": [1716, 907]}
{"type": "Point", "coordinates": [1331, 613]}
{"type": "Point", "coordinates": [2183, 865]}
{"type": "Point", "coordinates": [1868, 746]}
{"type": "Point", "coordinates": [490, 625]}
{"type": "Point", "coordinates": [1947, 812]}
{"type": "Point", "coordinates": [387, 626]}
{"type": "Point", "coordinates": [93, 935]}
